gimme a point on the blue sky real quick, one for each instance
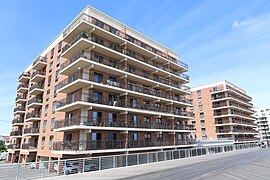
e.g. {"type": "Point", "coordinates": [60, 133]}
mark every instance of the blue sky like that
{"type": "Point", "coordinates": [225, 39]}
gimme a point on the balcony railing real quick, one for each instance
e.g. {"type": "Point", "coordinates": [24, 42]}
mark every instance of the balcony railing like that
{"type": "Point", "coordinates": [22, 85]}
{"type": "Point", "coordinates": [117, 48]}
{"type": "Point", "coordinates": [17, 121]}
{"type": "Point", "coordinates": [19, 108]}
{"type": "Point", "coordinates": [118, 123]}
{"type": "Point", "coordinates": [25, 74]}
{"type": "Point", "coordinates": [130, 86]}
{"type": "Point", "coordinates": [31, 130]}
{"type": "Point", "coordinates": [35, 100]}
{"type": "Point", "coordinates": [106, 101]}
{"type": "Point", "coordinates": [123, 35]}
{"type": "Point", "coordinates": [37, 86]}
{"type": "Point", "coordinates": [40, 59]}
{"type": "Point", "coordinates": [15, 133]}
{"type": "Point", "coordinates": [30, 146]}
{"type": "Point", "coordinates": [235, 121]}
{"type": "Point", "coordinates": [116, 144]}
{"type": "Point", "coordinates": [236, 131]}
{"type": "Point", "coordinates": [35, 73]}
{"type": "Point", "coordinates": [33, 115]}
{"type": "Point", "coordinates": [22, 96]}
{"type": "Point", "coordinates": [14, 146]}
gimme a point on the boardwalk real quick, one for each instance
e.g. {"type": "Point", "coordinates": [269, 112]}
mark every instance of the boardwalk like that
{"type": "Point", "coordinates": [245, 164]}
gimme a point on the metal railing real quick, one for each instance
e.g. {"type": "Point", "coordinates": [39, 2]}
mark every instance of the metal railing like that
{"type": "Point", "coordinates": [111, 102]}
{"type": "Point", "coordinates": [115, 47]}
{"type": "Point", "coordinates": [123, 35]}
{"type": "Point", "coordinates": [85, 121]}
{"type": "Point", "coordinates": [45, 169]}
{"type": "Point", "coordinates": [40, 59]}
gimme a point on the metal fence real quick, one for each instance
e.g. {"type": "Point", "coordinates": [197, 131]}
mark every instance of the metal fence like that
{"type": "Point", "coordinates": [36, 170]}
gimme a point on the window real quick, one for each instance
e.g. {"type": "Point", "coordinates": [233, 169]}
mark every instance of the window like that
{"type": "Point", "coordinates": [43, 142]}
{"type": "Point", "coordinates": [54, 107]}
{"type": "Point", "coordinates": [202, 122]}
{"type": "Point", "coordinates": [55, 90]}
{"type": "Point", "coordinates": [147, 136]}
{"type": "Point", "coordinates": [132, 69]}
{"type": "Point", "coordinates": [113, 30]}
{"type": "Point", "coordinates": [200, 108]}
{"type": "Point", "coordinates": [192, 109]}
{"type": "Point", "coordinates": [51, 66]}
{"type": "Point", "coordinates": [134, 136]}
{"type": "Point", "coordinates": [52, 53]}
{"type": "Point", "coordinates": [99, 23]}
{"type": "Point", "coordinates": [48, 95]}
{"type": "Point", "coordinates": [200, 100]}
{"type": "Point", "coordinates": [133, 103]}
{"type": "Point", "coordinates": [199, 92]}
{"type": "Point", "coordinates": [201, 115]}
{"type": "Point", "coordinates": [97, 116]}
{"type": "Point", "coordinates": [49, 80]}
{"type": "Point", "coordinates": [56, 75]}
{"type": "Point", "coordinates": [97, 97]}
{"type": "Point", "coordinates": [215, 88]}
{"type": "Point", "coordinates": [159, 136]}
{"type": "Point", "coordinates": [112, 63]}
{"type": "Point", "coordinates": [203, 130]}
{"type": "Point", "coordinates": [193, 123]}
{"type": "Point", "coordinates": [51, 142]}
{"type": "Point", "coordinates": [59, 46]}
{"type": "Point", "coordinates": [44, 125]}
{"type": "Point", "coordinates": [52, 124]}
{"type": "Point", "coordinates": [46, 110]}
{"type": "Point", "coordinates": [98, 58]}
{"type": "Point", "coordinates": [58, 61]}
{"type": "Point", "coordinates": [98, 77]}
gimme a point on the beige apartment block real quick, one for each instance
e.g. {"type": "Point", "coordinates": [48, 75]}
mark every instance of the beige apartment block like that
{"type": "Point", "coordinates": [100, 88]}
{"type": "Point", "coordinates": [223, 110]}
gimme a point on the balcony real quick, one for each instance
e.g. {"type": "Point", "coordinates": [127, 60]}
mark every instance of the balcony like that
{"type": "Point", "coordinates": [40, 63]}
{"type": "Point", "coordinates": [117, 124]}
{"type": "Point", "coordinates": [82, 24]}
{"type": "Point", "coordinates": [116, 144]}
{"type": "Point", "coordinates": [31, 131]}
{"type": "Point", "coordinates": [234, 122]}
{"type": "Point", "coordinates": [236, 131]}
{"type": "Point", "coordinates": [24, 77]}
{"type": "Point", "coordinates": [16, 133]}
{"type": "Point", "coordinates": [21, 99]}
{"type": "Point", "coordinates": [22, 88]}
{"type": "Point", "coordinates": [30, 147]}
{"type": "Point", "coordinates": [35, 102]}
{"type": "Point", "coordinates": [238, 93]}
{"type": "Point", "coordinates": [19, 110]}
{"type": "Point", "coordinates": [77, 101]}
{"type": "Point", "coordinates": [14, 146]}
{"type": "Point", "coordinates": [85, 40]}
{"type": "Point", "coordinates": [18, 122]}
{"type": "Point", "coordinates": [38, 76]}
{"type": "Point", "coordinates": [33, 117]}
{"type": "Point", "coordinates": [36, 89]}
{"type": "Point", "coordinates": [80, 80]}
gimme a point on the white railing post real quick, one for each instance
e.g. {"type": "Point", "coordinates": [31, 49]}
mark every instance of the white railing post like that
{"type": "Point", "coordinates": [99, 163]}
{"type": "Point", "coordinates": [42, 173]}
{"type": "Point", "coordinates": [114, 161]}
{"type": "Point", "coordinates": [138, 159]}
{"type": "Point", "coordinates": [126, 159]}
{"type": "Point", "coordinates": [148, 157]}
{"type": "Point", "coordinates": [83, 168]}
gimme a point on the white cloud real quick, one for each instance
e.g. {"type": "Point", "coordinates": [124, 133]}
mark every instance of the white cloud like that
{"type": "Point", "coordinates": [259, 24]}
